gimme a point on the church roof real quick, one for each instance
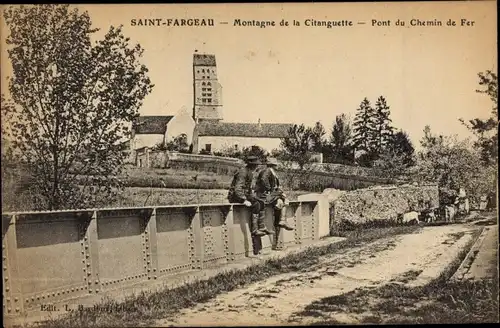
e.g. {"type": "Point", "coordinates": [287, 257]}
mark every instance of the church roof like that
{"type": "Point", "coordinates": [151, 124]}
{"type": "Point", "coordinates": [203, 60]}
{"type": "Point", "coordinates": [256, 130]}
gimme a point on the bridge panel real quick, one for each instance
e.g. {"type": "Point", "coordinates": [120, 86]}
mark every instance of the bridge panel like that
{"type": "Point", "coordinates": [174, 239]}
{"type": "Point", "coordinates": [307, 222]}
{"type": "Point", "coordinates": [239, 231]}
{"type": "Point", "coordinates": [289, 236]}
{"type": "Point", "coordinates": [267, 241]}
{"type": "Point", "coordinates": [122, 246]}
{"type": "Point", "coordinates": [55, 255]}
{"type": "Point", "coordinates": [50, 257]}
{"type": "Point", "coordinates": [214, 235]}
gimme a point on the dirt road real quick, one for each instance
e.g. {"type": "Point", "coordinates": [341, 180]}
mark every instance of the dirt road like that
{"type": "Point", "coordinates": [418, 258]}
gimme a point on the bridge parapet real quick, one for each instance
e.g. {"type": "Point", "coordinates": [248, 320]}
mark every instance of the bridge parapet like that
{"type": "Point", "coordinates": [51, 256]}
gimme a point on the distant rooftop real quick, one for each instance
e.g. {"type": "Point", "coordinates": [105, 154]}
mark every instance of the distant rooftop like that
{"type": "Point", "coordinates": [151, 124]}
{"type": "Point", "coordinates": [203, 60]}
{"type": "Point", "coordinates": [263, 130]}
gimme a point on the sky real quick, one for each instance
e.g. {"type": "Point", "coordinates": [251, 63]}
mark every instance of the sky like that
{"type": "Point", "coordinates": [300, 74]}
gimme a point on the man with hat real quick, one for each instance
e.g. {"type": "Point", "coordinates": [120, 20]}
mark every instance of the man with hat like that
{"type": "Point", "coordinates": [241, 192]}
{"type": "Point", "coordinates": [268, 190]}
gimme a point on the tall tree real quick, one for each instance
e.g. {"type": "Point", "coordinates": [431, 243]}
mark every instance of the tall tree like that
{"type": "Point", "coordinates": [365, 134]}
{"type": "Point", "coordinates": [397, 156]}
{"type": "Point", "coordinates": [486, 130]}
{"type": "Point", "coordinates": [401, 145]}
{"type": "Point", "coordinates": [7, 111]}
{"type": "Point", "coordinates": [298, 144]}
{"type": "Point", "coordinates": [318, 135]}
{"type": "Point", "coordinates": [364, 127]}
{"type": "Point", "coordinates": [74, 100]}
{"type": "Point", "coordinates": [383, 128]}
{"type": "Point", "coordinates": [453, 164]}
{"type": "Point", "coordinates": [341, 140]}
{"type": "Point", "coordinates": [429, 139]}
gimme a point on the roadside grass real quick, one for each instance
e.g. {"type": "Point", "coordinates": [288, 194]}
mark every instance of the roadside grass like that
{"type": "Point", "coordinates": [339, 228]}
{"type": "Point", "coordinates": [457, 302]}
{"type": "Point", "coordinates": [143, 309]}
{"type": "Point", "coordinates": [486, 218]}
{"type": "Point", "coordinates": [441, 301]}
{"type": "Point", "coordinates": [347, 228]}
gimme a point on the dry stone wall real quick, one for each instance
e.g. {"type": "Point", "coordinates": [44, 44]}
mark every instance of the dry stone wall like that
{"type": "Point", "coordinates": [382, 203]}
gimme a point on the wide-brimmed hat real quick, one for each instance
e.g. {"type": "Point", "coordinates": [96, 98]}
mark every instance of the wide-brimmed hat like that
{"type": "Point", "coordinates": [272, 161]}
{"type": "Point", "coordinates": [253, 160]}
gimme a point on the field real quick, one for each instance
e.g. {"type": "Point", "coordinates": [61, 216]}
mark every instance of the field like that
{"type": "Point", "coordinates": [180, 178]}
{"type": "Point", "coordinates": [135, 196]}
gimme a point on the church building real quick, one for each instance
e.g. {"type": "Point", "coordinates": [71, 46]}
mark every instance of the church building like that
{"type": "Point", "coordinates": [205, 128]}
{"type": "Point", "coordinates": [211, 133]}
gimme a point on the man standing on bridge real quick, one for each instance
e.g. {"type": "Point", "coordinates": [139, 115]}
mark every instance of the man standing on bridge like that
{"type": "Point", "coordinates": [241, 192]}
{"type": "Point", "coordinates": [268, 190]}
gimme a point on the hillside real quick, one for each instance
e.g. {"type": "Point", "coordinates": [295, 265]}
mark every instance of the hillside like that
{"type": "Point", "coordinates": [183, 183]}
{"type": "Point", "coordinates": [142, 186]}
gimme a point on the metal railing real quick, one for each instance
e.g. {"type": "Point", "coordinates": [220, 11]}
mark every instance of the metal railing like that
{"type": "Point", "coordinates": [50, 256]}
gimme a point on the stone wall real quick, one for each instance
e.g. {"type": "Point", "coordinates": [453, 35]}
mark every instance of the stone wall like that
{"type": "Point", "coordinates": [151, 158]}
{"type": "Point", "coordinates": [158, 159]}
{"type": "Point", "coordinates": [382, 203]}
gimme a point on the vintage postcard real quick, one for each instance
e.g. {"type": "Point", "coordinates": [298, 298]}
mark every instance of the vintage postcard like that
{"type": "Point", "coordinates": [249, 164]}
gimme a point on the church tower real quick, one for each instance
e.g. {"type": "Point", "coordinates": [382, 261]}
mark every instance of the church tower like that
{"type": "Point", "coordinates": [207, 102]}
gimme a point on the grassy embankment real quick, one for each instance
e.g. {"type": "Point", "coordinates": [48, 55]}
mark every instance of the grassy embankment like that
{"type": "Point", "coordinates": [177, 186]}
{"type": "Point", "coordinates": [142, 187]}
{"type": "Point", "coordinates": [143, 309]}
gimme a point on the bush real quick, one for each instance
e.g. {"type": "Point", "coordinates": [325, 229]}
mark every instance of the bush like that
{"type": "Point", "coordinates": [244, 153]}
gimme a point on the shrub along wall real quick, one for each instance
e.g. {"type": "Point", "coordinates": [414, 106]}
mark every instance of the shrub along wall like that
{"type": "Point", "coordinates": [290, 179]}
{"type": "Point", "coordinates": [220, 175]}
{"type": "Point", "coordinates": [220, 168]}
{"type": "Point", "coordinates": [319, 181]}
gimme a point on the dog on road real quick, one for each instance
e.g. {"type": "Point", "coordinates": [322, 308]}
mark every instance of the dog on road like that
{"type": "Point", "coordinates": [409, 217]}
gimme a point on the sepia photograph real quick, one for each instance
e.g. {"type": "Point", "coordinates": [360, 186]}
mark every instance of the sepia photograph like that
{"type": "Point", "coordinates": [251, 164]}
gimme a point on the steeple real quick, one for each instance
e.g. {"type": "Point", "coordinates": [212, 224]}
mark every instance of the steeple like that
{"type": "Point", "coordinates": [207, 102]}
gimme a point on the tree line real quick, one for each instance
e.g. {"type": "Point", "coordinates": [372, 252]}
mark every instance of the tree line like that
{"type": "Point", "coordinates": [369, 140]}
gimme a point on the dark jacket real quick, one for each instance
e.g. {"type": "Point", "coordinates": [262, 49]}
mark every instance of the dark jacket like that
{"type": "Point", "coordinates": [241, 186]}
{"type": "Point", "coordinates": [267, 187]}
{"type": "Point", "coordinates": [266, 182]}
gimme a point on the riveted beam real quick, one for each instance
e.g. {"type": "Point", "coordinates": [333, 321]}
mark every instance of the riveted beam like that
{"type": "Point", "coordinates": [13, 298]}
{"type": "Point", "coordinates": [199, 240]}
{"type": "Point", "coordinates": [315, 221]}
{"type": "Point", "coordinates": [229, 244]}
{"type": "Point", "coordinates": [151, 245]}
{"type": "Point", "coordinates": [298, 223]}
{"type": "Point", "coordinates": [91, 247]}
